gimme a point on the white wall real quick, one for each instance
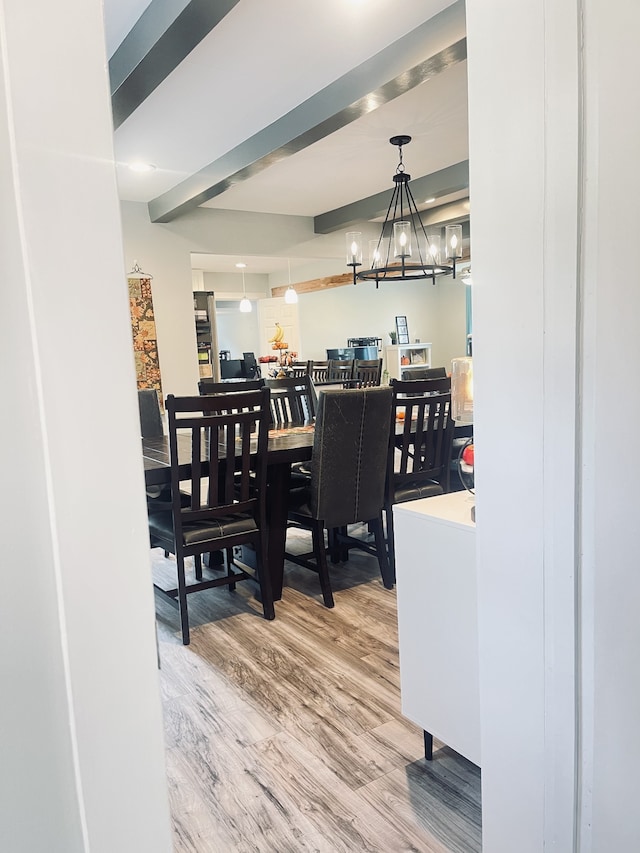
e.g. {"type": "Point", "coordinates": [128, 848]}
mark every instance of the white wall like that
{"type": "Point", "coordinates": [434, 313]}
{"type": "Point", "coordinates": [237, 332]}
{"type": "Point", "coordinates": [166, 256]}
{"type": "Point", "coordinates": [82, 747]}
{"type": "Point", "coordinates": [327, 319]}
{"type": "Point", "coordinates": [556, 510]}
{"type": "Point", "coordinates": [610, 580]}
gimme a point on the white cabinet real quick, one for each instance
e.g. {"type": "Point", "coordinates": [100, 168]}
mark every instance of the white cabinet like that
{"type": "Point", "coordinates": [401, 357]}
{"type": "Point", "coordinates": [438, 619]}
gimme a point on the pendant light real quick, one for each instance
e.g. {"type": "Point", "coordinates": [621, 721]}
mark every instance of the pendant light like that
{"type": "Point", "coordinates": [245, 304]}
{"type": "Point", "coordinates": [290, 297]}
{"type": "Point", "coordinates": [404, 251]}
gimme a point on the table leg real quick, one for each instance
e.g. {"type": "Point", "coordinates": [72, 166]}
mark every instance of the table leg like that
{"type": "Point", "coordinates": [428, 746]}
{"type": "Point", "coordinates": [278, 483]}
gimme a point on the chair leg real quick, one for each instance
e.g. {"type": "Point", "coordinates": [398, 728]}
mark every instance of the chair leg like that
{"type": "Point", "coordinates": [334, 547]}
{"type": "Point", "coordinates": [182, 601]}
{"type": "Point", "coordinates": [264, 578]}
{"type": "Point", "coordinates": [344, 550]}
{"type": "Point", "coordinates": [229, 555]}
{"type": "Point", "coordinates": [391, 548]}
{"type": "Point", "coordinates": [388, 577]}
{"type": "Point", "coordinates": [197, 560]}
{"type": "Point", "coordinates": [317, 532]}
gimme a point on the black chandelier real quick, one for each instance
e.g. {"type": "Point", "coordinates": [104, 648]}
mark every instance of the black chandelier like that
{"type": "Point", "coordinates": [404, 251]}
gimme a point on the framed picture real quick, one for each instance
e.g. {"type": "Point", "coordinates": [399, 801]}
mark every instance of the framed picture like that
{"type": "Point", "coordinates": [402, 330]}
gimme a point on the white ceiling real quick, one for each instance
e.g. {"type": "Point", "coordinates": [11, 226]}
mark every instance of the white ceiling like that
{"type": "Point", "coordinates": [260, 62]}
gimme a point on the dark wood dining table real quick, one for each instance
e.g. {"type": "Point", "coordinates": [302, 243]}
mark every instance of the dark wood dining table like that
{"type": "Point", "coordinates": [286, 446]}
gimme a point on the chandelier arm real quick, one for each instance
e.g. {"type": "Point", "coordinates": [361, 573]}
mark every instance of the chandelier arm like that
{"type": "Point", "coordinates": [398, 198]}
{"type": "Point", "coordinates": [415, 214]}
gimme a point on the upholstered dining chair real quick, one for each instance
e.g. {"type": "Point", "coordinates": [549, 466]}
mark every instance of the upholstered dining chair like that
{"type": "Point", "coordinates": [421, 434]}
{"type": "Point", "coordinates": [226, 505]}
{"type": "Point", "coordinates": [425, 373]}
{"type": "Point", "coordinates": [347, 478]}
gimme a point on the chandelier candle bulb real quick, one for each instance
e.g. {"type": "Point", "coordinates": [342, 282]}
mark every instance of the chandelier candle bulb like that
{"type": "Point", "coordinates": [434, 248]}
{"type": "Point", "coordinates": [402, 239]}
{"type": "Point", "coordinates": [375, 256]}
{"type": "Point", "coordinates": [354, 249]}
{"type": "Point", "coordinates": [454, 241]}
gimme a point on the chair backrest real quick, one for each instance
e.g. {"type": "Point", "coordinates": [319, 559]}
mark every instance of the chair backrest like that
{"type": "Point", "coordinates": [151, 425]}
{"type": "Point", "coordinates": [367, 372]}
{"type": "Point", "coordinates": [210, 386]}
{"type": "Point", "coordinates": [421, 432]}
{"type": "Point", "coordinates": [251, 366]}
{"type": "Point", "coordinates": [349, 455]}
{"type": "Point", "coordinates": [206, 431]}
{"type": "Point", "coordinates": [425, 373]}
{"type": "Point", "coordinates": [299, 368]}
{"type": "Point", "coordinates": [340, 370]}
{"type": "Point", "coordinates": [318, 371]}
{"type": "Point", "coordinates": [292, 400]}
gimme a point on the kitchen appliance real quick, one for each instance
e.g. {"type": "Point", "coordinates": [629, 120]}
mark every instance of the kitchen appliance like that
{"type": "Point", "coordinates": [363, 349]}
{"type": "Point", "coordinates": [366, 348]}
{"type": "Point", "coordinates": [342, 354]}
{"type": "Point", "coordinates": [365, 342]}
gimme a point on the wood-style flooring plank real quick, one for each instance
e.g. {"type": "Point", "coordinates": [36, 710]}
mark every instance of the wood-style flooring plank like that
{"type": "Point", "coordinates": [432, 796]}
{"type": "Point", "coordinates": [341, 815]}
{"type": "Point", "coordinates": [288, 736]}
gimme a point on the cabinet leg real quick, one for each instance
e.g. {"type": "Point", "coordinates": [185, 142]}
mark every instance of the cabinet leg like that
{"type": "Point", "coordinates": [428, 746]}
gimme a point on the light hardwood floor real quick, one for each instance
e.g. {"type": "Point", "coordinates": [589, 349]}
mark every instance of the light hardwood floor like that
{"type": "Point", "coordinates": [287, 735]}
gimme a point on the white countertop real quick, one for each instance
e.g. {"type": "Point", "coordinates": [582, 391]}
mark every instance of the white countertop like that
{"type": "Point", "coordinates": [453, 508]}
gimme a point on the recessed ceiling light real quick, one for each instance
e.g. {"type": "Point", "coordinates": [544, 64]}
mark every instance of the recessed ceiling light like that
{"type": "Point", "coordinates": [241, 266]}
{"type": "Point", "coordinates": [429, 200]}
{"type": "Point", "coordinates": [139, 166]}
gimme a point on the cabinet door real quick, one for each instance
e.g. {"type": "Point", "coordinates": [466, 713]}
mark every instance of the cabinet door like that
{"type": "Point", "coordinates": [276, 310]}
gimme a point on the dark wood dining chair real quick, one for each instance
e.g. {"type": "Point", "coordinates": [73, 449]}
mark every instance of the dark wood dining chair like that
{"type": "Point", "coordinates": [421, 435]}
{"type": "Point", "coordinates": [347, 481]}
{"type": "Point", "coordinates": [151, 425]}
{"type": "Point", "coordinates": [341, 371]}
{"type": "Point", "coordinates": [226, 505]}
{"type": "Point", "coordinates": [292, 400]}
{"type": "Point", "coordinates": [299, 368]}
{"type": "Point", "coordinates": [367, 372]}
{"type": "Point", "coordinates": [318, 371]}
{"type": "Point", "coordinates": [210, 386]}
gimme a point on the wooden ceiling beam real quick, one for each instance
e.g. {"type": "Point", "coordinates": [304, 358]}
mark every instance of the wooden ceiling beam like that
{"type": "Point", "coordinates": [332, 281]}
{"type": "Point", "coordinates": [315, 284]}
